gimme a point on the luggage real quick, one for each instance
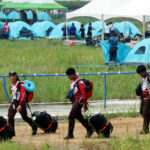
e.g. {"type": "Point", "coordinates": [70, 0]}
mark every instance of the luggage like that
{"type": "Point", "coordinates": [6, 131]}
{"type": "Point", "coordinates": [45, 122]}
{"type": "Point", "coordinates": [100, 124]}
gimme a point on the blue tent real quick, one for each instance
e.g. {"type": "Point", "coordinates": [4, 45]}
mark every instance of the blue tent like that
{"type": "Point", "coordinates": [58, 34]}
{"type": "Point", "coordinates": [122, 51]}
{"type": "Point", "coordinates": [2, 16]}
{"type": "Point", "coordinates": [17, 27]}
{"type": "Point", "coordinates": [97, 25]}
{"type": "Point", "coordinates": [13, 15]}
{"type": "Point", "coordinates": [140, 54]}
{"type": "Point", "coordinates": [29, 15]}
{"type": "Point", "coordinates": [1, 24]}
{"type": "Point", "coordinates": [43, 29]}
{"type": "Point", "coordinates": [44, 16]}
{"type": "Point", "coordinates": [131, 29]}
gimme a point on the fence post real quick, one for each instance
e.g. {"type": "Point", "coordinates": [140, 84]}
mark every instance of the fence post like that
{"type": "Point", "coordinates": [5, 89]}
{"type": "Point", "coordinates": [105, 90]}
{"type": "Point", "coordinates": [25, 78]}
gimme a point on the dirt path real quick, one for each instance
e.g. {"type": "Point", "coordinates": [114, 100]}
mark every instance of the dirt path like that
{"type": "Point", "coordinates": [122, 127]}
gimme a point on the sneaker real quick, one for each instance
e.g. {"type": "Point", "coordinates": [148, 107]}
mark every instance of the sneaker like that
{"type": "Point", "coordinates": [89, 134]}
{"type": "Point", "coordinates": [69, 137]}
{"type": "Point", "coordinates": [34, 129]}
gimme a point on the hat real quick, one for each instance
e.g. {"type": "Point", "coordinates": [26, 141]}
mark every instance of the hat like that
{"type": "Point", "coordinates": [12, 73]}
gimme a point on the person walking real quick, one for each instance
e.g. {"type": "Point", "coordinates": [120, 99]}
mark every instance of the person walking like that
{"type": "Point", "coordinates": [90, 28]}
{"type": "Point", "coordinates": [145, 97]}
{"type": "Point", "coordinates": [18, 103]}
{"type": "Point", "coordinates": [79, 100]}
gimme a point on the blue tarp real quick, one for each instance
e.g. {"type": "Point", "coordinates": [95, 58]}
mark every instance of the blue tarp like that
{"type": "Point", "coordinates": [29, 15]}
{"type": "Point", "coordinates": [44, 16]}
{"type": "Point", "coordinates": [2, 16]}
{"type": "Point", "coordinates": [122, 52]}
{"type": "Point", "coordinates": [16, 27]}
{"type": "Point", "coordinates": [13, 15]}
{"type": "Point", "coordinates": [41, 28]}
{"type": "Point", "coordinates": [58, 34]}
{"type": "Point", "coordinates": [131, 29]}
{"type": "Point", "coordinates": [140, 54]}
{"type": "Point", "coordinates": [1, 24]}
{"type": "Point", "coordinates": [97, 25]}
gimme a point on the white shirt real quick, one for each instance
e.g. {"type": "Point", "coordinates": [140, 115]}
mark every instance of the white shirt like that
{"type": "Point", "coordinates": [111, 27]}
{"type": "Point", "coordinates": [107, 30]}
{"type": "Point", "coordinates": [15, 93]}
{"type": "Point", "coordinates": [144, 85]}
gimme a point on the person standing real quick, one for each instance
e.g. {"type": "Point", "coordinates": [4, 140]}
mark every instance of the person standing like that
{"type": "Point", "coordinates": [64, 28]}
{"type": "Point", "coordinates": [90, 28]}
{"type": "Point", "coordinates": [79, 100]}
{"type": "Point", "coordinates": [145, 97]}
{"type": "Point", "coordinates": [18, 103]}
{"type": "Point", "coordinates": [113, 41]}
{"type": "Point", "coordinates": [6, 30]}
{"type": "Point", "coordinates": [111, 28]}
{"type": "Point", "coordinates": [107, 32]}
{"type": "Point", "coordinates": [82, 30]}
{"type": "Point", "coordinates": [73, 31]}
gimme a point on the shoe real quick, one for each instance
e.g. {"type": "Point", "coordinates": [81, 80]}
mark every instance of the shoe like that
{"type": "Point", "coordinates": [34, 129]}
{"type": "Point", "coordinates": [144, 132]}
{"type": "Point", "coordinates": [69, 137]}
{"type": "Point", "coordinates": [89, 134]}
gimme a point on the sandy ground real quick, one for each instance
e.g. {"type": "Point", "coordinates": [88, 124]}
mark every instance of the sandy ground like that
{"type": "Point", "coordinates": [122, 128]}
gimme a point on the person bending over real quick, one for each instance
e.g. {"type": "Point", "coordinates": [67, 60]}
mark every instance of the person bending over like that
{"type": "Point", "coordinates": [145, 97]}
{"type": "Point", "coordinates": [18, 103]}
{"type": "Point", "coordinates": [79, 100]}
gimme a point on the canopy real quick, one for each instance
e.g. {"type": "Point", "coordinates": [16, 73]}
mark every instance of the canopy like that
{"type": "Point", "coordinates": [32, 4]}
{"type": "Point", "coordinates": [106, 9]}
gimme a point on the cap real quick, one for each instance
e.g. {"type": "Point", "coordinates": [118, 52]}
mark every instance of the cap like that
{"type": "Point", "coordinates": [12, 73]}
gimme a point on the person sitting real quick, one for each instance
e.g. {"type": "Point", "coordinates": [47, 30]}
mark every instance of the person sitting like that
{"type": "Point", "coordinates": [64, 30]}
{"type": "Point", "coordinates": [6, 30]}
{"type": "Point", "coordinates": [82, 30]}
{"type": "Point", "coordinates": [73, 31]}
{"type": "Point", "coordinates": [107, 32]}
{"type": "Point", "coordinates": [113, 41]}
{"type": "Point", "coordinates": [111, 28]}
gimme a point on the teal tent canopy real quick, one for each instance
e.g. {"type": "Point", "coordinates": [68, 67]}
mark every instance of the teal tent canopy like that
{"type": "Point", "coordinates": [32, 4]}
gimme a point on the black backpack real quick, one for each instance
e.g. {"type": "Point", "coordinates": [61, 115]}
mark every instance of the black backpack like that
{"type": "Point", "coordinates": [139, 90]}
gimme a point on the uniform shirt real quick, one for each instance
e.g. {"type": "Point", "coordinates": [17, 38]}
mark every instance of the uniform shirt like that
{"type": "Point", "coordinates": [113, 42]}
{"type": "Point", "coordinates": [18, 95]}
{"type": "Point", "coordinates": [73, 30]}
{"type": "Point", "coordinates": [79, 91]}
{"type": "Point", "coordinates": [145, 91]}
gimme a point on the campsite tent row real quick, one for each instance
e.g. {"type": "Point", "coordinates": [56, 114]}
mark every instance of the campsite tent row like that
{"type": "Point", "coordinates": [15, 16]}
{"type": "Point", "coordinates": [47, 28]}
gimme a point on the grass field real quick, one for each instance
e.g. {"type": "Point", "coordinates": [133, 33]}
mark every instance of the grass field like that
{"type": "Point", "coordinates": [50, 56]}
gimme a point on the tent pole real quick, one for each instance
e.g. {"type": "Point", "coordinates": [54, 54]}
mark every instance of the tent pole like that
{"type": "Point", "coordinates": [66, 29]}
{"type": "Point", "coordinates": [102, 27]}
{"type": "Point", "coordinates": [125, 28]}
{"type": "Point", "coordinates": [143, 26]}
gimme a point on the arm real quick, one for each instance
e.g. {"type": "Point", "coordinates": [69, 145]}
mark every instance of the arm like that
{"type": "Point", "coordinates": [83, 93]}
{"type": "Point", "coordinates": [22, 95]}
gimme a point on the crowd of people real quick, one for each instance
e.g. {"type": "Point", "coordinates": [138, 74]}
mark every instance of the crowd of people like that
{"type": "Point", "coordinates": [4, 31]}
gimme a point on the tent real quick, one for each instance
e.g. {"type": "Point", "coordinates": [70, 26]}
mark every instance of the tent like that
{"type": "Point", "coordinates": [57, 32]}
{"type": "Point", "coordinates": [20, 29]}
{"type": "Point", "coordinates": [97, 26]}
{"type": "Point", "coordinates": [44, 16]}
{"type": "Point", "coordinates": [122, 52]}
{"type": "Point", "coordinates": [32, 4]}
{"type": "Point", "coordinates": [2, 16]}
{"type": "Point", "coordinates": [129, 30]}
{"type": "Point", "coordinates": [29, 15]}
{"type": "Point", "coordinates": [13, 15]}
{"type": "Point", "coordinates": [140, 54]}
{"type": "Point", "coordinates": [43, 29]}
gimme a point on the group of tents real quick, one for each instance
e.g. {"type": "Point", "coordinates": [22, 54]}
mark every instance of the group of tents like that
{"type": "Point", "coordinates": [14, 15]}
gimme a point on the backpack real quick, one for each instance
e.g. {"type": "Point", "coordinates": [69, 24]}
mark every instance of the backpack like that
{"type": "Point", "coordinates": [88, 89]}
{"type": "Point", "coordinates": [29, 95]}
{"type": "Point", "coordinates": [139, 90]}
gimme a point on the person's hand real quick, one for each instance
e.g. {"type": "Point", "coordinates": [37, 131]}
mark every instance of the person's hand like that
{"type": "Point", "coordinates": [85, 108]}
{"type": "Point", "coordinates": [19, 109]}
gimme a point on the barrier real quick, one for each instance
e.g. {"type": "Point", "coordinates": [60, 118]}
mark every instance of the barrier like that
{"type": "Point", "coordinates": [63, 75]}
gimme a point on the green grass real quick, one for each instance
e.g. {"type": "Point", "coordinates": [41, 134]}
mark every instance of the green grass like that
{"type": "Point", "coordinates": [50, 56]}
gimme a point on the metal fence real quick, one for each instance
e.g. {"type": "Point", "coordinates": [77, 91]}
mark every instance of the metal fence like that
{"type": "Point", "coordinates": [63, 75]}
